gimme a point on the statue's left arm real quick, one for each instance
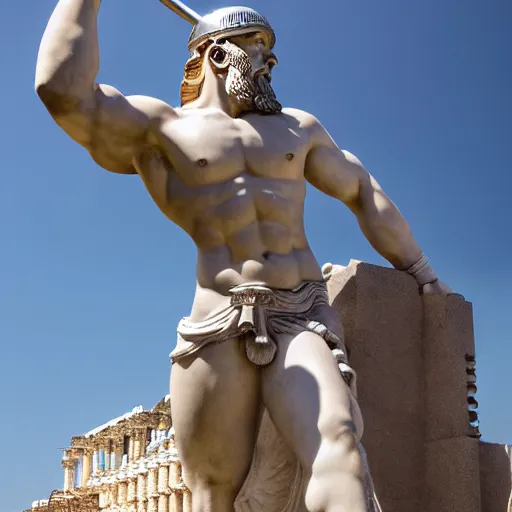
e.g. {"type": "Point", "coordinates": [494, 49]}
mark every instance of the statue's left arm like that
{"type": "Point", "coordinates": [341, 175]}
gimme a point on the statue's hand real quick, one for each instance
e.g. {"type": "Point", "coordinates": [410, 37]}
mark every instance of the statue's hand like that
{"type": "Point", "coordinates": [436, 288]}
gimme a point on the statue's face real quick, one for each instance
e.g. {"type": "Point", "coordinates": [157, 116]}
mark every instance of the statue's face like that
{"type": "Point", "coordinates": [256, 46]}
{"type": "Point", "coordinates": [248, 60]}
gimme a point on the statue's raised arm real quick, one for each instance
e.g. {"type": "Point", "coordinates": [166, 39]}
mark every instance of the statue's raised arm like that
{"type": "Point", "coordinates": [110, 126]}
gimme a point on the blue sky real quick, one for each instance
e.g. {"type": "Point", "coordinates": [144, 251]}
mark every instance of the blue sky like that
{"type": "Point", "coordinates": [94, 279]}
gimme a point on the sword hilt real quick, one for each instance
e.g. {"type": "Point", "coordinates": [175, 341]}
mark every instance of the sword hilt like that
{"type": "Point", "coordinates": [182, 10]}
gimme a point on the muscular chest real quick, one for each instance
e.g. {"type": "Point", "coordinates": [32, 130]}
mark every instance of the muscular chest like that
{"type": "Point", "coordinates": [210, 149]}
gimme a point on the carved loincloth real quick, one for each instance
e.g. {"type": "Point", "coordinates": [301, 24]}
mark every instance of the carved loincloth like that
{"type": "Point", "coordinates": [260, 315]}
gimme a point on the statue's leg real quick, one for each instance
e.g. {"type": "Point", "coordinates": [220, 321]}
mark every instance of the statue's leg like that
{"type": "Point", "coordinates": [215, 404]}
{"type": "Point", "coordinates": [310, 405]}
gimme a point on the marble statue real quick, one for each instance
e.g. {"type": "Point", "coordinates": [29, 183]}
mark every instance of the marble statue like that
{"type": "Point", "coordinates": [261, 348]}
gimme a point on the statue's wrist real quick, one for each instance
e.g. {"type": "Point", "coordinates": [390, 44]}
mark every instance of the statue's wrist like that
{"type": "Point", "coordinates": [422, 271]}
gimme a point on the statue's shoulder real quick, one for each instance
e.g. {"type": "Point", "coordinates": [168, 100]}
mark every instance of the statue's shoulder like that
{"type": "Point", "coordinates": [307, 122]}
{"type": "Point", "coordinates": [154, 108]}
{"type": "Point", "coordinates": [305, 119]}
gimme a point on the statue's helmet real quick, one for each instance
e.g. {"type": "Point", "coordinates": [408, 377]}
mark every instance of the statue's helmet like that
{"type": "Point", "coordinates": [229, 21]}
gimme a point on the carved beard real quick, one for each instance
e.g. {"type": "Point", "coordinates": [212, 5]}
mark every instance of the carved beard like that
{"type": "Point", "coordinates": [256, 94]}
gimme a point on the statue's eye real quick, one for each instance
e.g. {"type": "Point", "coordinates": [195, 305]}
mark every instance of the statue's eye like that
{"type": "Point", "coordinates": [218, 55]}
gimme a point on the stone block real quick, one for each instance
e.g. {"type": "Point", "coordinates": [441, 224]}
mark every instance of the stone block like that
{"type": "Point", "coordinates": [495, 477]}
{"type": "Point", "coordinates": [452, 476]}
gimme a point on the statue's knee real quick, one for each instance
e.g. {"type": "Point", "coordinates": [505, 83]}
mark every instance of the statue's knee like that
{"type": "Point", "coordinates": [337, 472]}
{"type": "Point", "coordinates": [210, 494]}
{"type": "Point", "coordinates": [339, 449]}
{"type": "Point", "coordinates": [213, 474]}
{"type": "Point", "coordinates": [338, 429]}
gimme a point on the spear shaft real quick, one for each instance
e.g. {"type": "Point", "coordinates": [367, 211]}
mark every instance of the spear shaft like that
{"type": "Point", "coordinates": [182, 10]}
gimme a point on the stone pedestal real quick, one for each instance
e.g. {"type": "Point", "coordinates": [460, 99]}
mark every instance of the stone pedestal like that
{"type": "Point", "coordinates": [414, 357]}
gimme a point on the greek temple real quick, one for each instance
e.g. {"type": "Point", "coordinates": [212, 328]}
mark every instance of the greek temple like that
{"type": "Point", "coordinates": [130, 463]}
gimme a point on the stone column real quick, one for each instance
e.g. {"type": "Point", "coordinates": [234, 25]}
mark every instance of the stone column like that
{"type": "Point", "coordinates": [153, 504]}
{"type": "Point", "coordinates": [163, 479]}
{"type": "Point", "coordinates": [175, 502]}
{"type": "Point", "coordinates": [108, 455]}
{"type": "Point", "coordinates": [69, 474]}
{"type": "Point", "coordinates": [176, 497]}
{"type": "Point", "coordinates": [103, 498]}
{"type": "Point", "coordinates": [113, 460]}
{"type": "Point", "coordinates": [187, 501]}
{"type": "Point", "coordinates": [118, 453]}
{"type": "Point", "coordinates": [122, 491]}
{"type": "Point", "coordinates": [131, 446]}
{"type": "Point", "coordinates": [139, 443]}
{"type": "Point", "coordinates": [86, 468]}
{"type": "Point", "coordinates": [112, 493]}
{"type": "Point", "coordinates": [131, 494]}
{"type": "Point", "coordinates": [163, 503]}
{"type": "Point", "coordinates": [69, 461]}
{"type": "Point", "coordinates": [95, 461]}
{"type": "Point", "coordinates": [174, 474]}
{"type": "Point", "coordinates": [141, 486]}
{"type": "Point", "coordinates": [136, 449]}
{"type": "Point", "coordinates": [152, 485]}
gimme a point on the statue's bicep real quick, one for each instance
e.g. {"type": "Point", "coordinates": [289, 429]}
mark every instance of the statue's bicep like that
{"type": "Point", "coordinates": [329, 170]}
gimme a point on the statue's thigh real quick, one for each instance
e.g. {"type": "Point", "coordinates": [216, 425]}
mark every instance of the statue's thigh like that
{"type": "Point", "coordinates": [306, 396]}
{"type": "Point", "coordinates": [215, 405]}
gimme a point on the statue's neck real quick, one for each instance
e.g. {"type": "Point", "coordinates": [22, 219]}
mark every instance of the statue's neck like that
{"type": "Point", "coordinates": [213, 95]}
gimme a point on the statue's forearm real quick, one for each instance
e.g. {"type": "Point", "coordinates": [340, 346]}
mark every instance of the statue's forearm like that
{"type": "Point", "coordinates": [68, 59]}
{"type": "Point", "coordinates": [385, 227]}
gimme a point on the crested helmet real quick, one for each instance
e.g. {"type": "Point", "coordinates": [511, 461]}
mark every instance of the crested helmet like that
{"type": "Point", "coordinates": [229, 21]}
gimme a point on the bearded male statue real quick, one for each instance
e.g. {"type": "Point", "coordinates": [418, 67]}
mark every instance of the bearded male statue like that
{"type": "Point", "coordinates": [230, 167]}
